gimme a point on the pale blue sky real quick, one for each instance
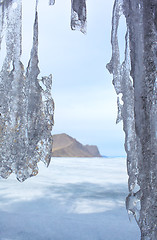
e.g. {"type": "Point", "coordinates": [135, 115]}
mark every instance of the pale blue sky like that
{"type": "Point", "coordinates": [85, 100]}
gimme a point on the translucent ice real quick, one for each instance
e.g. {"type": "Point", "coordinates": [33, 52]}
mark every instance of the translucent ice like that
{"type": "Point", "coordinates": [26, 105]}
{"type": "Point", "coordinates": [25, 118]}
{"type": "Point", "coordinates": [136, 80]}
{"type": "Point", "coordinates": [51, 2]}
{"type": "Point", "coordinates": [78, 15]}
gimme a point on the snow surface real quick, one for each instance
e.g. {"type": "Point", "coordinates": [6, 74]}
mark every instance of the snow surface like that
{"type": "Point", "coordinates": [73, 199]}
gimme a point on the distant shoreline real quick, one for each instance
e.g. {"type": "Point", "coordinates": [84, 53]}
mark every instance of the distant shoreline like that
{"type": "Point", "coordinates": [66, 146]}
{"type": "Point", "coordinates": [105, 157]}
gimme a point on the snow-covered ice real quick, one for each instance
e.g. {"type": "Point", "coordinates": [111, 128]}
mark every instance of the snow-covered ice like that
{"type": "Point", "coordinates": [73, 199]}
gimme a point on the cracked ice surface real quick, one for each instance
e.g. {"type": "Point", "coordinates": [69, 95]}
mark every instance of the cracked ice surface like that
{"type": "Point", "coordinates": [26, 110]}
{"type": "Point", "coordinates": [139, 108]}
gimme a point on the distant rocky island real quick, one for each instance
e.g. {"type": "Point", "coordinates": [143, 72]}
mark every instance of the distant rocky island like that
{"type": "Point", "coordinates": [66, 146]}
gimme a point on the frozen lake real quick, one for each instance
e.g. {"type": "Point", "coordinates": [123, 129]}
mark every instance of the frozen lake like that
{"type": "Point", "coordinates": [73, 199]}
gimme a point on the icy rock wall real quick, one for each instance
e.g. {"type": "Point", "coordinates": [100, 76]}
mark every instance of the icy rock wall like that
{"type": "Point", "coordinates": [135, 81]}
{"type": "Point", "coordinates": [26, 109]}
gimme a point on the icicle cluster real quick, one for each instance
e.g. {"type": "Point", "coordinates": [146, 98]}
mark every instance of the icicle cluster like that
{"type": "Point", "coordinates": [136, 80]}
{"type": "Point", "coordinates": [26, 109]}
{"type": "Point", "coordinates": [26, 105]}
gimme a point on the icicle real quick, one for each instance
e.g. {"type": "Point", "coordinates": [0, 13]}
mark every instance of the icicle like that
{"type": "Point", "coordinates": [26, 110]}
{"type": "Point", "coordinates": [1, 22]}
{"type": "Point", "coordinates": [123, 85]}
{"type": "Point", "coordinates": [78, 15]}
{"type": "Point", "coordinates": [133, 205]}
{"type": "Point", "coordinates": [136, 80]}
{"type": "Point", "coordinates": [51, 2]}
{"type": "Point", "coordinates": [26, 105]}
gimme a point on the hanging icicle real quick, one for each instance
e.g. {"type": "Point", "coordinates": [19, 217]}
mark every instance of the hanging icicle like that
{"type": "Point", "coordinates": [51, 2]}
{"type": "Point", "coordinates": [78, 15]}
{"type": "Point", "coordinates": [26, 110]}
{"type": "Point", "coordinates": [26, 105]}
{"type": "Point", "coordinates": [139, 109]}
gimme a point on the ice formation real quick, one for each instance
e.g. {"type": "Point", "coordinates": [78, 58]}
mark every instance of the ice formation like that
{"type": "Point", "coordinates": [136, 80]}
{"type": "Point", "coordinates": [26, 109]}
{"type": "Point", "coordinates": [26, 104]}
{"type": "Point", "coordinates": [78, 15]}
